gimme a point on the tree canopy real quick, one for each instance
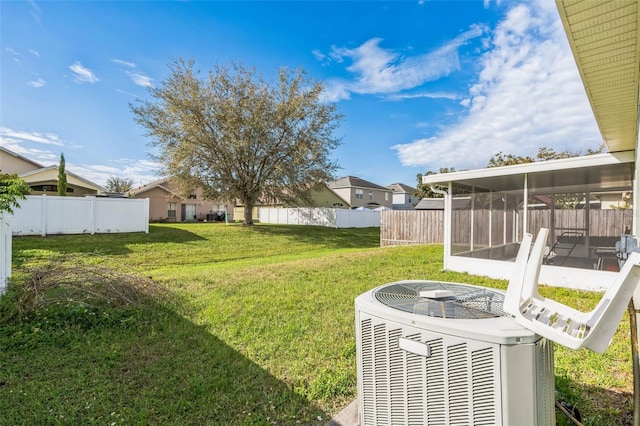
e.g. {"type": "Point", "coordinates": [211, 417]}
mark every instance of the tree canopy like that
{"type": "Point", "coordinates": [544, 154]}
{"type": "Point", "coordinates": [239, 137]}
{"type": "Point", "coordinates": [426, 191]}
{"type": "Point", "coordinates": [12, 189]}
{"type": "Point", "coordinates": [118, 184]}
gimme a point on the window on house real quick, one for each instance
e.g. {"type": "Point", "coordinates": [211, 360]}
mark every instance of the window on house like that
{"type": "Point", "coordinates": [359, 194]}
{"type": "Point", "coordinates": [171, 210]}
{"type": "Point", "coordinates": [45, 188]}
{"type": "Point", "coordinates": [193, 197]}
{"type": "Point", "coordinates": [48, 188]}
{"type": "Point", "coordinates": [371, 195]}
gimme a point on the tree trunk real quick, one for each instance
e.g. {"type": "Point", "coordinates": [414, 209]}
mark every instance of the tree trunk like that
{"type": "Point", "coordinates": [248, 214]}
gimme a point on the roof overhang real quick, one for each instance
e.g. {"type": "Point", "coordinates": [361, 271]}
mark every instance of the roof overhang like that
{"type": "Point", "coordinates": [50, 173]}
{"type": "Point", "coordinates": [604, 38]}
{"type": "Point", "coordinates": [600, 172]}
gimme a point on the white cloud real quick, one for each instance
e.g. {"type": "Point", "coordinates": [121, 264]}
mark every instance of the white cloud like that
{"type": "Point", "coordinates": [318, 55]}
{"type": "Point", "coordinates": [124, 92]}
{"type": "Point", "coordinates": [528, 95]}
{"type": "Point", "coordinates": [45, 158]}
{"type": "Point", "coordinates": [140, 171]}
{"type": "Point", "coordinates": [34, 53]}
{"type": "Point", "coordinates": [82, 74]}
{"type": "Point", "coordinates": [37, 83]}
{"type": "Point", "coordinates": [140, 79]}
{"type": "Point", "coordinates": [137, 77]}
{"type": "Point", "coordinates": [383, 71]}
{"type": "Point", "coordinates": [124, 63]}
{"type": "Point", "coordinates": [13, 135]}
{"type": "Point", "coordinates": [430, 95]}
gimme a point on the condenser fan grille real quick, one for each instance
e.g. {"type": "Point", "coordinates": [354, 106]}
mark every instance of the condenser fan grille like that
{"type": "Point", "coordinates": [450, 300]}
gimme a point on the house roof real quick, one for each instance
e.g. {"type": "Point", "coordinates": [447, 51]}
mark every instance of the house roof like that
{"type": "Point", "coordinates": [14, 154]}
{"type": "Point", "coordinates": [438, 203]}
{"type": "Point", "coordinates": [160, 183]}
{"type": "Point", "coordinates": [401, 188]}
{"type": "Point", "coordinates": [354, 182]}
{"type": "Point", "coordinates": [430, 204]}
{"type": "Point", "coordinates": [604, 39]}
{"type": "Point", "coordinates": [45, 173]}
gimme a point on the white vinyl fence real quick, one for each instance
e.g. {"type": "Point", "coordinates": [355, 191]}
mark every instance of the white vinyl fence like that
{"type": "Point", "coordinates": [5, 252]}
{"type": "Point", "coordinates": [46, 215]}
{"type": "Point", "coordinates": [320, 216]}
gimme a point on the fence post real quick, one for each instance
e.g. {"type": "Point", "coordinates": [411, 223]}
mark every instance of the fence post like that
{"type": "Point", "coordinates": [146, 215]}
{"type": "Point", "coordinates": [93, 215]}
{"type": "Point", "coordinates": [5, 257]}
{"type": "Point", "coordinates": [43, 219]}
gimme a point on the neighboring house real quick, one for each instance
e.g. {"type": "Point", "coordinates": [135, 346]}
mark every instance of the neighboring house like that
{"type": "Point", "coordinates": [403, 196]}
{"type": "Point", "coordinates": [44, 180]}
{"type": "Point", "coordinates": [361, 193]}
{"type": "Point", "coordinates": [166, 204]}
{"type": "Point", "coordinates": [430, 204]}
{"type": "Point", "coordinates": [438, 203]}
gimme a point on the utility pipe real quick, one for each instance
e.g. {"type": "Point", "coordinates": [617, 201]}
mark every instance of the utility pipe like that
{"type": "Point", "coordinates": [447, 220]}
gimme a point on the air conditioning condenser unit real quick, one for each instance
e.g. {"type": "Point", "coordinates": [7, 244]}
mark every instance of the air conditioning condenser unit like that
{"type": "Point", "coordinates": [438, 353]}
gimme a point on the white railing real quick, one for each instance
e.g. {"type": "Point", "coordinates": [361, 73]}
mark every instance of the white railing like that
{"type": "Point", "coordinates": [46, 215]}
{"type": "Point", "coordinates": [5, 251]}
{"type": "Point", "coordinates": [320, 216]}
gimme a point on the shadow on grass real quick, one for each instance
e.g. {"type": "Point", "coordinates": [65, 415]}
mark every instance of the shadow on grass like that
{"type": "Point", "coordinates": [106, 244]}
{"type": "Point", "coordinates": [597, 405]}
{"type": "Point", "coordinates": [335, 238]}
{"type": "Point", "coordinates": [132, 367]}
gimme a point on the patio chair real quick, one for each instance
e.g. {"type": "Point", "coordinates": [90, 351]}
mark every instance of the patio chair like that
{"type": "Point", "coordinates": [561, 323]}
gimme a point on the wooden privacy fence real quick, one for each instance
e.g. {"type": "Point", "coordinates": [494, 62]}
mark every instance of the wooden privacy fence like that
{"type": "Point", "coordinates": [402, 227]}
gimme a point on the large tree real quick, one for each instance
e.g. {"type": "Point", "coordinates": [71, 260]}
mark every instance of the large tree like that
{"type": "Point", "coordinates": [239, 137]}
{"type": "Point", "coordinates": [426, 191]}
{"type": "Point", "coordinates": [119, 184]}
{"type": "Point", "coordinates": [565, 201]}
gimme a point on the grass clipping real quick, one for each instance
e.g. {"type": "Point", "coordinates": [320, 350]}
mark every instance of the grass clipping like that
{"type": "Point", "coordinates": [63, 283]}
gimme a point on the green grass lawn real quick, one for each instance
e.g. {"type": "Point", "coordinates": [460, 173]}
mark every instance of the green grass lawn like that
{"type": "Point", "coordinates": [258, 329]}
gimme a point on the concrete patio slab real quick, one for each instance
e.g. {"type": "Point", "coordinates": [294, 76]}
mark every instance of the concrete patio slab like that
{"type": "Point", "coordinates": [347, 417]}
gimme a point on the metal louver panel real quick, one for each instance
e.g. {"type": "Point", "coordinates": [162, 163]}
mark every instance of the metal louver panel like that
{"type": "Point", "coordinates": [368, 381]}
{"type": "Point", "coordinates": [436, 385]}
{"type": "Point", "coordinates": [457, 384]}
{"type": "Point", "coordinates": [546, 382]}
{"type": "Point", "coordinates": [484, 395]}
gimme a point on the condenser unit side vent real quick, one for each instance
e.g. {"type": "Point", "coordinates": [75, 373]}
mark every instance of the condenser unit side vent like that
{"type": "Point", "coordinates": [436, 384]}
{"type": "Point", "coordinates": [456, 384]}
{"type": "Point", "coordinates": [484, 394]}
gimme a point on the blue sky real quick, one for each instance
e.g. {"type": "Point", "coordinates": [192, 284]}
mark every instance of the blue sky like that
{"type": "Point", "coordinates": [422, 84]}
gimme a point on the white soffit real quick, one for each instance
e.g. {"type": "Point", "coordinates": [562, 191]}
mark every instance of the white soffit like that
{"type": "Point", "coordinates": [603, 36]}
